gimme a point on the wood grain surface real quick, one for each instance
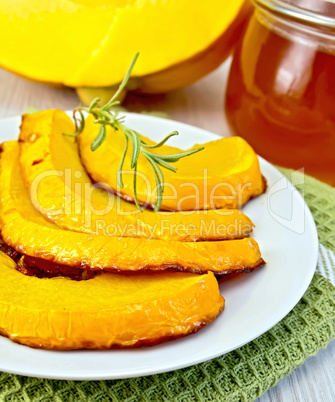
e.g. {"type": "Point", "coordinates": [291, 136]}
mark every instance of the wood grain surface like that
{"type": "Point", "coordinates": [201, 104]}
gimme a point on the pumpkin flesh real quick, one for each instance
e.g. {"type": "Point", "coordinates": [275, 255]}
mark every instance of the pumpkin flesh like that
{"type": "Point", "coordinates": [44, 148]}
{"type": "Point", "coordinates": [108, 311]}
{"type": "Point", "coordinates": [42, 239]}
{"type": "Point", "coordinates": [165, 33]}
{"type": "Point", "coordinates": [225, 174]}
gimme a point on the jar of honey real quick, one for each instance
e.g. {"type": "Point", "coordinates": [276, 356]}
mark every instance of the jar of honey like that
{"type": "Point", "coordinates": [281, 88]}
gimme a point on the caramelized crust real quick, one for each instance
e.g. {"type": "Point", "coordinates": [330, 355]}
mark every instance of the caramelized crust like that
{"type": "Point", "coordinates": [40, 268]}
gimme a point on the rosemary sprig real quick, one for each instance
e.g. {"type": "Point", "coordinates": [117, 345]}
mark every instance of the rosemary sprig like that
{"type": "Point", "coordinates": [106, 116]}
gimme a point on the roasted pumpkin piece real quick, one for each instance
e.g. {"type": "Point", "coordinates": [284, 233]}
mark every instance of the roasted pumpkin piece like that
{"type": "Point", "coordinates": [167, 34]}
{"type": "Point", "coordinates": [66, 197]}
{"type": "Point", "coordinates": [39, 238]}
{"type": "Point", "coordinates": [225, 174]}
{"type": "Point", "coordinates": [108, 311]}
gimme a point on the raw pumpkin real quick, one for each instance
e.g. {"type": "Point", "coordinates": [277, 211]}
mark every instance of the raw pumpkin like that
{"type": "Point", "coordinates": [91, 43]}
{"type": "Point", "coordinates": [25, 229]}
{"type": "Point", "coordinates": [44, 148]}
{"type": "Point", "coordinates": [110, 310]}
{"type": "Point", "coordinates": [226, 174]}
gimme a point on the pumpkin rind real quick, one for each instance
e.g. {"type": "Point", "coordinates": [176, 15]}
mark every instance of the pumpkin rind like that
{"type": "Point", "coordinates": [108, 311]}
{"type": "Point", "coordinates": [39, 238]}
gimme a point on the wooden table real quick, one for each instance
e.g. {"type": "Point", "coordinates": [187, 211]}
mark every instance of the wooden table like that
{"type": "Point", "coordinates": [201, 104]}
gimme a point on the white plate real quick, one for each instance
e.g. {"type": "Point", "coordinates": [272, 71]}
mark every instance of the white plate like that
{"type": "Point", "coordinates": [287, 236]}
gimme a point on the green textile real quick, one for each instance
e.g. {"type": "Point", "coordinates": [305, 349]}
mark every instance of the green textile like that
{"type": "Point", "coordinates": [241, 375]}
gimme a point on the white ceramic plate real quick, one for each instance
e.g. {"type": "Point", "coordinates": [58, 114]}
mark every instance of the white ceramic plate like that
{"type": "Point", "coordinates": [287, 236]}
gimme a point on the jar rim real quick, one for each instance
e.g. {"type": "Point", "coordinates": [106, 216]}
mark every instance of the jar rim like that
{"type": "Point", "coordinates": [295, 13]}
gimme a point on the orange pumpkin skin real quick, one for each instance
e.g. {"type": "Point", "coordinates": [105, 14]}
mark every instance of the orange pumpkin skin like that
{"type": "Point", "coordinates": [39, 238]}
{"type": "Point", "coordinates": [108, 311]}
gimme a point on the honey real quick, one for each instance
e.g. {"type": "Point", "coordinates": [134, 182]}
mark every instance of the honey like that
{"type": "Point", "coordinates": [281, 94]}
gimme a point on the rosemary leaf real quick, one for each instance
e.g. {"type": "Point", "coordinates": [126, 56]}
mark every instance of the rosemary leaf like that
{"type": "Point", "coordinates": [159, 182]}
{"type": "Point", "coordinates": [80, 122]}
{"type": "Point", "coordinates": [105, 122]}
{"type": "Point", "coordinates": [119, 172]}
{"type": "Point", "coordinates": [161, 176]}
{"type": "Point", "coordinates": [162, 142]}
{"type": "Point", "coordinates": [136, 140]}
{"type": "Point", "coordinates": [177, 157]}
{"type": "Point", "coordinates": [167, 166]}
{"type": "Point", "coordinates": [159, 161]}
{"type": "Point", "coordinates": [99, 139]}
{"type": "Point", "coordinates": [158, 186]}
{"type": "Point", "coordinates": [93, 104]}
{"type": "Point", "coordinates": [135, 189]}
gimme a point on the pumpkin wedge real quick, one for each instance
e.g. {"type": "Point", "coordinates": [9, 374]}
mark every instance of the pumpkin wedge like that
{"type": "Point", "coordinates": [84, 34]}
{"type": "Point", "coordinates": [110, 310]}
{"type": "Point", "coordinates": [65, 195]}
{"type": "Point", "coordinates": [25, 229]}
{"type": "Point", "coordinates": [225, 174]}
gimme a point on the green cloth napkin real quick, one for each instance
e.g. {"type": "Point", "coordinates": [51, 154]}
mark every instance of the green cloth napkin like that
{"type": "Point", "coordinates": [242, 375]}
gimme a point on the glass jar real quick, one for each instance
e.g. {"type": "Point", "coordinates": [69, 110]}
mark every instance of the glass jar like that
{"type": "Point", "coordinates": [281, 88]}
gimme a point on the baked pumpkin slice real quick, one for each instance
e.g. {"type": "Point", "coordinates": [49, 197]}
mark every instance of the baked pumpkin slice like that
{"type": "Point", "coordinates": [25, 229]}
{"type": "Point", "coordinates": [225, 174]}
{"type": "Point", "coordinates": [107, 311]}
{"type": "Point", "coordinates": [63, 193]}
